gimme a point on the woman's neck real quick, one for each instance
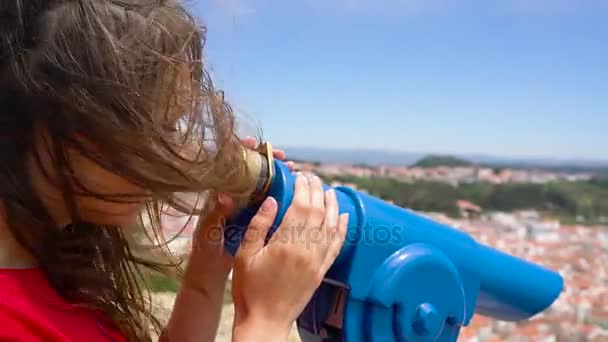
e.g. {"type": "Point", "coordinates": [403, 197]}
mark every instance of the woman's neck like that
{"type": "Point", "coordinates": [12, 253]}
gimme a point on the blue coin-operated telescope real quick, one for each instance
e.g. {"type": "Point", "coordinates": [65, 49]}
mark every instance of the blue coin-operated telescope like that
{"type": "Point", "coordinates": [400, 276]}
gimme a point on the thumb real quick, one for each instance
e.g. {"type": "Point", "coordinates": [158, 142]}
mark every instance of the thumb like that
{"type": "Point", "coordinates": [258, 228]}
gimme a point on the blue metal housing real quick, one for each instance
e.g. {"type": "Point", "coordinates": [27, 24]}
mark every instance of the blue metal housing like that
{"type": "Point", "coordinates": [403, 277]}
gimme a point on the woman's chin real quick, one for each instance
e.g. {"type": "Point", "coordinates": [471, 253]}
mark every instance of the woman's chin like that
{"type": "Point", "coordinates": [122, 220]}
{"type": "Point", "coordinates": [125, 221]}
{"type": "Point", "coordinates": [111, 214]}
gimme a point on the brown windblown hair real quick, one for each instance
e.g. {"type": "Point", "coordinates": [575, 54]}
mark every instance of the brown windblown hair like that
{"type": "Point", "coordinates": [128, 76]}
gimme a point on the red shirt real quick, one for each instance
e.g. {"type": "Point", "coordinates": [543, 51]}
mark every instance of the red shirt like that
{"type": "Point", "coordinates": [31, 310]}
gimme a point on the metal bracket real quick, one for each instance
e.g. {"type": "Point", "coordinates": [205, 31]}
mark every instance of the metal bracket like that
{"type": "Point", "coordinates": [265, 150]}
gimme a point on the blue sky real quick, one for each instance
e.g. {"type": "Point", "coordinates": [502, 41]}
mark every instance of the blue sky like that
{"type": "Point", "coordinates": [522, 78]}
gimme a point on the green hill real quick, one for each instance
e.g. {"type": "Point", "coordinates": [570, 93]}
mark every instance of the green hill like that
{"type": "Point", "coordinates": [568, 201]}
{"type": "Point", "coordinates": [441, 160]}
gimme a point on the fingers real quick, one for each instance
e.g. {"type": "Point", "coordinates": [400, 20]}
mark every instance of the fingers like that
{"type": "Point", "coordinates": [307, 209]}
{"type": "Point", "coordinates": [336, 242]}
{"type": "Point", "coordinates": [258, 229]}
{"type": "Point", "coordinates": [290, 165]}
{"type": "Point", "coordinates": [317, 202]}
{"type": "Point", "coordinates": [279, 154]}
{"type": "Point", "coordinates": [296, 216]}
{"type": "Point", "coordinates": [330, 223]}
{"type": "Point", "coordinates": [301, 194]}
{"type": "Point", "coordinates": [249, 142]}
{"type": "Point", "coordinates": [313, 214]}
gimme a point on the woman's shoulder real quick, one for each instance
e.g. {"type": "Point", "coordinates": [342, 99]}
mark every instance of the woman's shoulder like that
{"type": "Point", "coordinates": [21, 288]}
{"type": "Point", "coordinates": [33, 311]}
{"type": "Point", "coordinates": [18, 285]}
{"type": "Point", "coordinates": [21, 319]}
{"type": "Point", "coordinates": [22, 325]}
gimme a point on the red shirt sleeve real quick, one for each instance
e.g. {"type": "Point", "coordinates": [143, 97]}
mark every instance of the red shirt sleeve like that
{"type": "Point", "coordinates": [31, 310]}
{"type": "Point", "coordinates": [18, 326]}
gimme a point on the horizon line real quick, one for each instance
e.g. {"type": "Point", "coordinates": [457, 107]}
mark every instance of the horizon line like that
{"type": "Point", "coordinates": [602, 161]}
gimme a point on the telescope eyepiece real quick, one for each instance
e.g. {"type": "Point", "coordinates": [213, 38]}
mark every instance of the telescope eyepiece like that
{"type": "Point", "coordinates": [260, 170]}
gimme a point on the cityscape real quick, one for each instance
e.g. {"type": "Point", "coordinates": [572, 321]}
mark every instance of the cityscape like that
{"type": "Point", "coordinates": [578, 253]}
{"type": "Point", "coordinates": [451, 175]}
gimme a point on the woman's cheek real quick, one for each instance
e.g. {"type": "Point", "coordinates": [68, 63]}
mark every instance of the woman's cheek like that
{"type": "Point", "coordinates": [101, 211]}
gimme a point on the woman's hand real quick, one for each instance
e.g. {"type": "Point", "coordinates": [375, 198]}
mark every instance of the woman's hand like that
{"type": "Point", "coordinates": [207, 242]}
{"type": "Point", "coordinates": [197, 309]}
{"type": "Point", "coordinates": [226, 203]}
{"type": "Point", "coordinates": [272, 284]}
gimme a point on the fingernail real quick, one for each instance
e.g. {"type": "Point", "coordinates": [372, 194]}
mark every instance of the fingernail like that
{"type": "Point", "coordinates": [268, 205]}
{"type": "Point", "coordinates": [301, 177]}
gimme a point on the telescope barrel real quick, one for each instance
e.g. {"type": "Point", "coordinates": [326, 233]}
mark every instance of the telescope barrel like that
{"type": "Point", "coordinates": [511, 288]}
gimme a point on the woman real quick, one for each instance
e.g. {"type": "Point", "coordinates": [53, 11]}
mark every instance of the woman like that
{"type": "Point", "coordinates": [106, 110]}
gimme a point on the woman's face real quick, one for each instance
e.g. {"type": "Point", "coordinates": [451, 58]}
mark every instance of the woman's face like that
{"type": "Point", "coordinates": [98, 180]}
{"type": "Point", "coordinates": [121, 211]}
